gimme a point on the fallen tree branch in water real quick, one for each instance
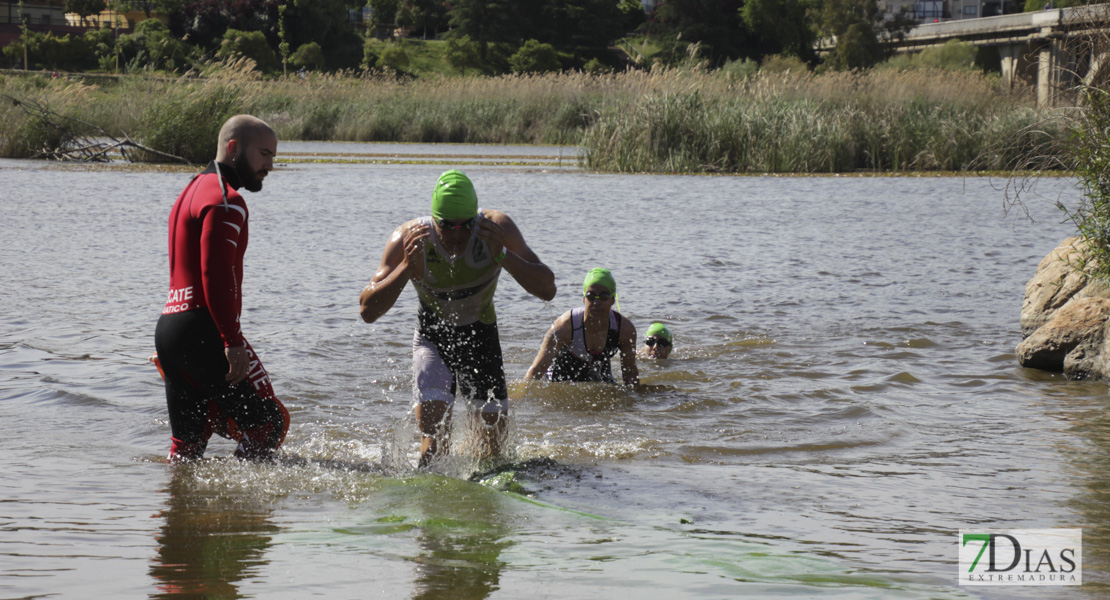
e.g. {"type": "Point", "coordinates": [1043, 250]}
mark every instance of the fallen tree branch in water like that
{"type": "Point", "coordinates": [68, 138]}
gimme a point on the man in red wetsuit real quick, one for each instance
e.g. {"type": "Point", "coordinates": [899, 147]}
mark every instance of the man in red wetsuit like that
{"type": "Point", "coordinates": [214, 381]}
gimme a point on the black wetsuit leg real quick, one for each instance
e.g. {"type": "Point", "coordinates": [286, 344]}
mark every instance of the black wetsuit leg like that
{"type": "Point", "coordinates": [191, 353]}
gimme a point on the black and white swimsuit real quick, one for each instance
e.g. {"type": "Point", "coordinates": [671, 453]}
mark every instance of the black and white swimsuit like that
{"type": "Point", "coordinates": [576, 362]}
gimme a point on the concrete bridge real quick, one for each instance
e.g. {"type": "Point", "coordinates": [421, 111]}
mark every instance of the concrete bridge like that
{"type": "Point", "coordinates": [1055, 49]}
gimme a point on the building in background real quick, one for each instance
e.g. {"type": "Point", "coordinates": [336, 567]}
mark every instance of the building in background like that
{"type": "Point", "coordinates": [42, 16]}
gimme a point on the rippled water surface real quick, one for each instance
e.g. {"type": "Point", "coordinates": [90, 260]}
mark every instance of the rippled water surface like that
{"type": "Point", "coordinates": [843, 397]}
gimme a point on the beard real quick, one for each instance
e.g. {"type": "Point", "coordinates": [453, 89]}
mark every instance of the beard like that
{"type": "Point", "coordinates": [247, 177]}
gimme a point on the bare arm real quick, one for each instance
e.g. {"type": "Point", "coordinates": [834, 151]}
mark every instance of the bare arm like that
{"type": "Point", "coordinates": [553, 341]}
{"type": "Point", "coordinates": [629, 372]}
{"type": "Point", "coordinates": [403, 256]}
{"type": "Point", "coordinates": [500, 232]}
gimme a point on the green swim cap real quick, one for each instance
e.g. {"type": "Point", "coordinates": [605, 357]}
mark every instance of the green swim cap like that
{"type": "Point", "coordinates": [659, 330]}
{"type": "Point", "coordinates": [602, 276]}
{"type": "Point", "coordinates": [454, 197]}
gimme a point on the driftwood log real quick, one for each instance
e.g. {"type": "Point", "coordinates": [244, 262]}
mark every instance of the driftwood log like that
{"type": "Point", "coordinates": [77, 140]}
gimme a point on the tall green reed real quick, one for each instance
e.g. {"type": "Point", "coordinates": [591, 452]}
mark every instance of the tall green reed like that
{"type": "Point", "coordinates": [658, 120]}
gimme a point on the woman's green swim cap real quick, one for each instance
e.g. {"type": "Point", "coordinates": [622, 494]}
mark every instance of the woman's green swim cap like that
{"type": "Point", "coordinates": [659, 330]}
{"type": "Point", "coordinates": [602, 276]}
{"type": "Point", "coordinates": [454, 197]}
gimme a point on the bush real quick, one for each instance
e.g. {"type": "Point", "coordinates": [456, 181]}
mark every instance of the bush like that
{"type": "Point", "coordinates": [48, 51]}
{"type": "Point", "coordinates": [777, 63]}
{"type": "Point", "coordinates": [740, 69]}
{"type": "Point", "coordinates": [27, 137]}
{"type": "Point", "coordinates": [953, 55]}
{"type": "Point", "coordinates": [187, 122]}
{"type": "Point", "coordinates": [394, 57]}
{"type": "Point", "coordinates": [248, 44]}
{"type": "Point", "coordinates": [1091, 157]}
{"type": "Point", "coordinates": [370, 55]}
{"type": "Point", "coordinates": [309, 56]}
{"type": "Point", "coordinates": [535, 57]}
{"type": "Point", "coordinates": [596, 67]}
{"type": "Point", "coordinates": [461, 53]}
{"type": "Point", "coordinates": [152, 46]}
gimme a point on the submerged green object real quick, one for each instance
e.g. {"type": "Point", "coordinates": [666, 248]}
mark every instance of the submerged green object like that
{"type": "Point", "coordinates": [505, 481]}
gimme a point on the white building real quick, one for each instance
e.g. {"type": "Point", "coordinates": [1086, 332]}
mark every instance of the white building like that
{"type": "Point", "coordinates": [930, 11]}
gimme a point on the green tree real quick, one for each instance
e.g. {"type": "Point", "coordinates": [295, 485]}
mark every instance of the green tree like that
{"type": "Point", "coordinates": [428, 16]}
{"type": "Point", "coordinates": [535, 57]}
{"type": "Point", "coordinates": [394, 57]}
{"type": "Point", "coordinates": [309, 56]}
{"type": "Point", "coordinates": [85, 8]}
{"type": "Point", "coordinates": [861, 31]}
{"type": "Point", "coordinates": [585, 24]}
{"type": "Point", "coordinates": [103, 44]}
{"type": "Point", "coordinates": [153, 46]}
{"type": "Point", "coordinates": [204, 22]}
{"type": "Point", "coordinates": [150, 8]}
{"type": "Point", "coordinates": [383, 13]}
{"type": "Point", "coordinates": [283, 35]}
{"type": "Point", "coordinates": [485, 22]}
{"type": "Point", "coordinates": [325, 22]}
{"type": "Point", "coordinates": [781, 26]}
{"type": "Point", "coordinates": [249, 44]}
{"type": "Point", "coordinates": [461, 53]}
{"type": "Point", "coordinates": [46, 50]}
{"type": "Point", "coordinates": [715, 25]}
{"type": "Point", "coordinates": [633, 14]}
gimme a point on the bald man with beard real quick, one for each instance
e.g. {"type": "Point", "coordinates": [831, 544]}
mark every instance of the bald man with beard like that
{"type": "Point", "coordinates": [214, 381]}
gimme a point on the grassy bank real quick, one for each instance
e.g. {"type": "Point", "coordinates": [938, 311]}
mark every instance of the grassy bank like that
{"type": "Point", "coordinates": [661, 121]}
{"type": "Point", "coordinates": [837, 122]}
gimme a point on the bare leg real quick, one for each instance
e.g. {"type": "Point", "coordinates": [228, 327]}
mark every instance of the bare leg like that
{"type": "Point", "coordinates": [497, 425]}
{"type": "Point", "coordinates": [434, 420]}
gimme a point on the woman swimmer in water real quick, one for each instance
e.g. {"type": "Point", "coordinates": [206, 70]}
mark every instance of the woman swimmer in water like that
{"type": "Point", "coordinates": [581, 342]}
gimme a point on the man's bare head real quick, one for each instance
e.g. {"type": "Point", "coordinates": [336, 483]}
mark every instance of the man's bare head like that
{"type": "Point", "coordinates": [244, 130]}
{"type": "Point", "coordinates": [248, 145]}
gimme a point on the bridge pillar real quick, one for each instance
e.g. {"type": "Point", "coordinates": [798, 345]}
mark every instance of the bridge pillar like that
{"type": "Point", "coordinates": [1050, 65]}
{"type": "Point", "coordinates": [1009, 53]}
{"type": "Point", "coordinates": [1100, 60]}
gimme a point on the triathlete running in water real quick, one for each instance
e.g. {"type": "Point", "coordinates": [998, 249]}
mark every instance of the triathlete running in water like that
{"type": "Point", "coordinates": [581, 342]}
{"type": "Point", "coordinates": [658, 342]}
{"type": "Point", "coordinates": [214, 381]}
{"type": "Point", "coordinates": [453, 259]}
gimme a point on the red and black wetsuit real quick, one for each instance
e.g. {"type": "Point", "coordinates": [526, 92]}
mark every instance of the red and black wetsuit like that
{"type": "Point", "coordinates": [207, 240]}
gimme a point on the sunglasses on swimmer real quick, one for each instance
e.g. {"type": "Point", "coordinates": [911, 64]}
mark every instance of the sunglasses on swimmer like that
{"type": "Point", "coordinates": [602, 296]}
{"type": "Point", "coordinates": [652, 341]}
{"type": "Point", "coordinates": [449, 225]}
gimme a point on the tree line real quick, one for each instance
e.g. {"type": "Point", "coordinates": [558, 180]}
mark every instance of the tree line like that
{"type": "Point", "coordinates": [491, 36]}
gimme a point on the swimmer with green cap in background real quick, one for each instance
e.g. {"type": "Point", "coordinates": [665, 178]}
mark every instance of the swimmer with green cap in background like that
{"type": "Point", "coordinates": [453, 259]}
{"type": "Point", "coordinates": [581, 342]}
{"type": "Point", "coordinates": [657, 342]}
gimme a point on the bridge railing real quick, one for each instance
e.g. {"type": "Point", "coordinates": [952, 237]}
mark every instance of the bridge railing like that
{"type": "Point", "coordinates": [1017, 23]}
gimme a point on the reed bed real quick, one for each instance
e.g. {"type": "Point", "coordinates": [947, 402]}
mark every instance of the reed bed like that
{"type": "Point", "coordinates": [840, 122]}
{"type": "Point", "coordinates": [658, 121]}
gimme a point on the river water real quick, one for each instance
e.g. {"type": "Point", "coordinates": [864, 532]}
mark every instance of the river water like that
{"type": "Point", "coordinates": [843, 396]}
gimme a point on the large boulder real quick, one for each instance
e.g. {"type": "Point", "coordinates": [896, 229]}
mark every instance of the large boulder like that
{"type": "Point", "coordinates": [1071, 340]}
{"type": "Point", "coordinates": [1057, 280]}
{"type": "Point", "coordinates": [1065, 315]}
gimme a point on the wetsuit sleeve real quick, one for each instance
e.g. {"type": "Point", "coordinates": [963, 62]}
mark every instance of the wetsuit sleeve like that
{"type": "Point", "coordinates": [222, 241]}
